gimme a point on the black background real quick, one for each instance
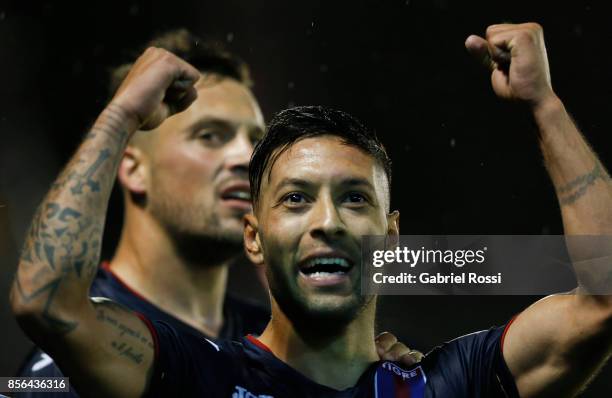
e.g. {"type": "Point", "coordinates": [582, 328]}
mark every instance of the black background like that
{"type": "Point", "coordinates": [464, 162]}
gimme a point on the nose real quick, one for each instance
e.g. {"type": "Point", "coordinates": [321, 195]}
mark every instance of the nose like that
{"type": "Point", "coordinates": [327, 223]}
{"type": "Point", "coordinates": [238, 153]}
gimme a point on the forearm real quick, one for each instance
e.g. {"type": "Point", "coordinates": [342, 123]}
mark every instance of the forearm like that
{"type": "Point", "coordinates": [61, 251]}
{"type": "Point", "coordinates": [583, 185]}
{"type": "Point", "coordinates": [548, 340]}
{"type": "Point", "coordinates": [584, 191]}
{"type": "Point", "coordinates": [107, 350]}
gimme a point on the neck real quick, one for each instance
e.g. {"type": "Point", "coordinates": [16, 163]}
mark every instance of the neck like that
{"type": "Point", "coordinates": [336, 360]}
{"type": "Point", "coordinates": [148, 261]}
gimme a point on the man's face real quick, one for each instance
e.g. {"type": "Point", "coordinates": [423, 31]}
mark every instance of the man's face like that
{"type": "Point", "coordinates": [322, 196]}
{"type": "Point", "coordinates": [198, 174]}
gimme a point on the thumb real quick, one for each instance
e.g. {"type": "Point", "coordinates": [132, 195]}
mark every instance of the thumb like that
{"type": "Point", "coordinates": [491, 56]}
{"type": "Point", "coordinates": [479, 49]}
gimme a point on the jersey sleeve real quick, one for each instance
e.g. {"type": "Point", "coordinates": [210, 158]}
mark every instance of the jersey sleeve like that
{"type": "Point", "coordinates": [473, 365]}
{"type": "Point", "coordinates": [185, 364]}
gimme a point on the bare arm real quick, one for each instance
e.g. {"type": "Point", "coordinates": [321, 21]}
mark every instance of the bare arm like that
{"type": "Point", "coordinates": [556, 345]}
{"type": "Point", "coordinates": [105, 349]}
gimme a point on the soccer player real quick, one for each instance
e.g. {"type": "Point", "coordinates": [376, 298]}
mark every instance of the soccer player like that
{"type": "Point", "coordinates": [319, 181]}
{"type": "Point", "coordinates": [185, 190]}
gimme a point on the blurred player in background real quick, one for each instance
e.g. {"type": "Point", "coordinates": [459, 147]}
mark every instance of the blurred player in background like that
{"type": "Point", "coordinates": [185, 189]}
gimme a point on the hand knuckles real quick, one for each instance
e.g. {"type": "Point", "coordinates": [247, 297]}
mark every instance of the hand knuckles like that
{"type": "Point", "coordinates": [409, 357]}
{"type": "Point", "coordinates": [167, 56]}
{"type": "Point", "coordinates": [400, 345]}
{"type": "Point", "coordinates": [534, 26]}
{"type": "Point", "coordinates": [399, 350]}
{"type": "Point", "coordinates": [154, 52]}
{"type": "Point", "coordinates": [386, 339]}
{"type": "Point", "coordinates": [490, 31]}
{"type": "Point", "coordinates": [526, 36]}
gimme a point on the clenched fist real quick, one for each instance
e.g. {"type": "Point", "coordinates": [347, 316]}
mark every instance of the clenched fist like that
{"type": "Point", "coordinates": [158, 85]}
{"type": "Point", "coordinates": [516, 56]}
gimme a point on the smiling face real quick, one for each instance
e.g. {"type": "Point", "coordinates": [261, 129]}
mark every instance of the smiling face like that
{"type": "Point", "coordinates": [322, 195]}
{"type": "Point", "coordinates": [196, 163]}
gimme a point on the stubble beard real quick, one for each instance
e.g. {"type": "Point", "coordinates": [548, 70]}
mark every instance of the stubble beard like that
{"type": "Point", "coordinates": [197, 230]}
{"type": "Point", "coordinates": [311, 318]}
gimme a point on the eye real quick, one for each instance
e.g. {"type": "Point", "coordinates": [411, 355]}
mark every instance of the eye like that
{"type": "Point", "coordinates": [355, 198]}
{"type": "Point", "coordinates": [213, 138]}
{"type": "Point", "coordinates": [208, 135]}
{"type": "Point", "coordinates": [255, 137]}
{"type": "Point", "coordinates": [294, 198]}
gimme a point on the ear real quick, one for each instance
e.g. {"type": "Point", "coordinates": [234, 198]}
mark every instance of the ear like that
{"type": "Point", "coordinates": [252, 244]}
{"type": "Point", "coordinates": [132, 171]}
{"type": "Point", "coordinates": [393, 223]}
{"type": "Point", "coordinates": [392, 240]}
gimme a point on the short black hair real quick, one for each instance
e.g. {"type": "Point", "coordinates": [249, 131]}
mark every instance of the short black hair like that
{"type": "Point", "coordinates": [205, 55]}
{"type": "Point", "coordinates": [294, 124]}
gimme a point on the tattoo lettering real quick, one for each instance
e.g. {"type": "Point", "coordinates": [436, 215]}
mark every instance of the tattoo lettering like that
{"type": "Point", "coordinates": [127, 335]}
{"type": "Point", "coordinates": [127, 351]}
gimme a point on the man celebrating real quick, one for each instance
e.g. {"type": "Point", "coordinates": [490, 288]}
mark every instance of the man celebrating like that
{"type": "Point", "coordinates": [319, 181]}
{"type": "Point", "coordinates": [185, 192]}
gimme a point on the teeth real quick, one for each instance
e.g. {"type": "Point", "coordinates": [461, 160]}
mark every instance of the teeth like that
{"type": "Point", "coordinates": [320, 274]}
{"type": "Point", "coordinates": [239, 195]}
{"type": "Point", "coordinates": [328, 261]}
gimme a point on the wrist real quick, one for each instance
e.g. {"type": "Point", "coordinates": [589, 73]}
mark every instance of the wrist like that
{"type": "Point", "coordinates": [547, 108]}
{"type": "Point", "coordinates": [119, 119]}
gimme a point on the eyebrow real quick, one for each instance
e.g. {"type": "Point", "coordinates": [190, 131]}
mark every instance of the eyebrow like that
{"type": "Point", "coordinates": [292, 181]}
{"type": "Point", "coordinates": [208, 121]}
{"type": "Point", "coordinates": [349, 182]}
{"type": "Point", "coordinates": [356, 182]}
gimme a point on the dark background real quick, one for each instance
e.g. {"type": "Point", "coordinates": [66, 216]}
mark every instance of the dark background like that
{"type": "Point", "coordinates": [464, 162]}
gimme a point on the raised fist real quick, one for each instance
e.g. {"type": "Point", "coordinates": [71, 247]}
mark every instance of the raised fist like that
{"type": "Point", "coordinates": [516, 56]}
{"type": "Point", "coordinates": [159, 85]}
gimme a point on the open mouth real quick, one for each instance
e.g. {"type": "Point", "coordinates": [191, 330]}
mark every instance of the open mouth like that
{"type": "Point", "coordinates": [325, 267]}
{"type": "Point", "coordinates": [237, 195]}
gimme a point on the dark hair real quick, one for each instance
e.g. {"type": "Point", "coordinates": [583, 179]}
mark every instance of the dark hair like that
{"type": "Point", "coordinates": [294, 124]}
{"type": "Point", "coordinates": [205, 55]}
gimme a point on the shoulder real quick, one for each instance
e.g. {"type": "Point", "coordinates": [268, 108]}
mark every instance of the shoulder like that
{"type": "Point", "coordinates": [472, 364]}
{"type": "Point", "coordinates": [472, 346]}
{"type": "Point", "coordinates": [189, 364]}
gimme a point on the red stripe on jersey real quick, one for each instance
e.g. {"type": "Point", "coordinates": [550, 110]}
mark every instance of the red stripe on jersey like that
{"type": "Point", "coordinates": [258, 343]}
{"type": "Point", "coordinates": [107, 267]}
{"type": "Point", "coordinates": [401, 388]}
{"type": "Point", "coordinates": [503, 336]}
{"type": "Point", "coordinates": [151, 328]}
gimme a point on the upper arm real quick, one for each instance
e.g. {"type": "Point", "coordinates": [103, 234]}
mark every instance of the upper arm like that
{"type": "Point", "coordinates": [109, 352]}
{"type": "Point", "coordinates": [558, 343]}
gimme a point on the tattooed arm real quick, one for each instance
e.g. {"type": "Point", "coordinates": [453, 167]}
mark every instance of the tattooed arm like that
{"type": "Point", "coordinates": [105, 349]}
{"type": "Point", "coordinates": [556, 345]}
